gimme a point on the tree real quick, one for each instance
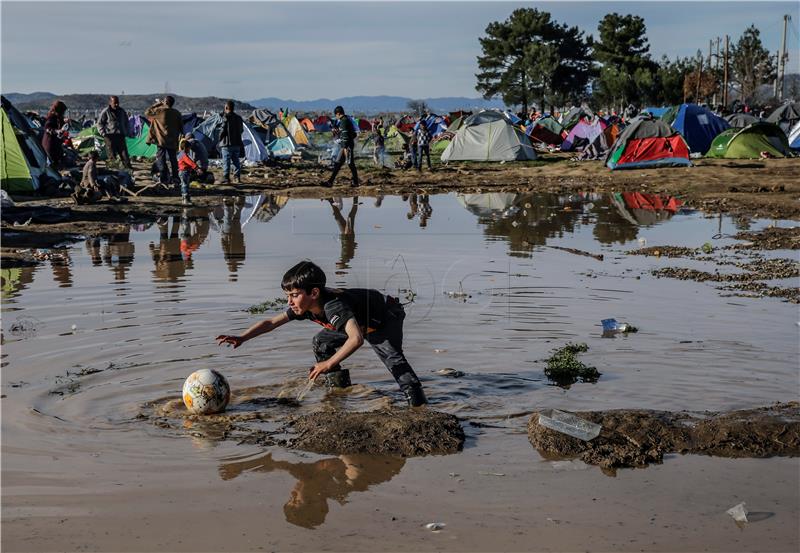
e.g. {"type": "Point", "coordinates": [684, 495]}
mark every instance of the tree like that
{"type": "Point", "coordinates": [670, 78]}
{"type": "Point", "coordinates": [751, 63]}
{"type": "Point", "coordinates": [530, 57]}
{"type": "Point", "coordinates": [626, 73]}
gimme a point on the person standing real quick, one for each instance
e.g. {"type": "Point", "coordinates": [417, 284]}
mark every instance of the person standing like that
{"type": "Point", "coordinates": [231, 144]}
{"type": "Point", "coordinates": [51, 140]}
{"type": "Point", "coordinates": [379, 151]}
{"type": "Point", "coordinates": [113, 127]}
{"type": "Point", "coordinates": [347, 138]}
{"type": "Point", "coordinates": [188, 168]}
{"type": "Point", "coordinates": [423, 144]}
{"type": "Point", "coordinates": [165, 131]}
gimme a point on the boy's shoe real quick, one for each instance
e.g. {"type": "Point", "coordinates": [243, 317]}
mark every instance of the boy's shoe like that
{"type": "Point", "coordinates": [415, 396]}
{"type": "Point", "coordinates": [326, 184]}
{"type": "Point", "coordinates": [186, 200]}
{"type": "Point", "coordinates": [238, 179]}
{"type": "Point", "coordinates": [338, 379]}
{"type": "Point", "coordinates": [225, 180]}
{"type": "Point", "coordinates": [354, 184]}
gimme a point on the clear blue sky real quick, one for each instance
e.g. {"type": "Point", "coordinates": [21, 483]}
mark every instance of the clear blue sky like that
{"type": "Point", "coordinates": [305, 50]}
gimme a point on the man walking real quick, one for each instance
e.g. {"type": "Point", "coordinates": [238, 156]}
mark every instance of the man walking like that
{"type": "Point", "coordinates": [113, 127]}
{"type": "Point", "coordinates": [231, 144]}
{"type": "Point", "coordinates": [347, 137]}
{"type": "Point", "coordinates": [165, 131]}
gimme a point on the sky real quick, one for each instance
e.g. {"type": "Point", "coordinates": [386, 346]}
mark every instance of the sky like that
{"type": "Point", "coordinates": [309, 50]}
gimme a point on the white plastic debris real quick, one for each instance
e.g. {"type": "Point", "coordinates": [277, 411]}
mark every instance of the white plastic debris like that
{"type": "Point", "coordinates": [738, 512]}
{"type": "Point", "coordinates": [435, 526]}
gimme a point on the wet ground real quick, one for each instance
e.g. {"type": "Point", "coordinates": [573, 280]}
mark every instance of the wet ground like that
{"type": "Point", "coordinates": [99, 335]}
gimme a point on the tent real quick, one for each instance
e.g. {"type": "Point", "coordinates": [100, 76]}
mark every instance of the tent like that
{"type": "Point", "coordinates": [648, 142]}
{"type": "Point", "coordinates": [575, 114]}
{"type": "Point", "coordinates": [698, 126]}
{"type": "Point", "coordinates": [208, 132]}
{"type": "Point", "coordinates": [308, 125]}
{"type": "Point", "coordinates": [785, 116]}
{"type": "Point", "coordinates": [297, 130]}
{"type": "Point", "coordinates": [655, 112]}
{"type": "Point", "coordinates": [90, 139]}
{"type": "Point", "coordinates": [488, 136]}
{"type": "Point", "coordinates": [749, 142]}
{"type": "Point", "coordinates": [21, 145]}
{"type": "Point", "coordinates": [15, 175]}
{"type": "Point", "coordinates": [363, 124]}
{"type": "Point", "coordinates": [794, 137]}
{"type": "Point", "coordinates": [545, 130]}
{"type": "Point", "coordinates": [583, 134]}
{"type": "Point", "coordinates": [137, 146]}
{"type": "Point", "coordinates": [322, 123]}
{"type": "Point", "coordinates": [740, 120]}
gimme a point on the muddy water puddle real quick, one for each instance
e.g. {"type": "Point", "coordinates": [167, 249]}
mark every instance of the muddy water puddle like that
{"type": "Point", "coordinates": [98, 339]}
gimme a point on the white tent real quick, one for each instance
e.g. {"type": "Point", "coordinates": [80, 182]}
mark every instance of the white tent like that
{"type": "Point", "coordinates": [794, 137]}
{"type": "Point", "coordinates": [489, 136]}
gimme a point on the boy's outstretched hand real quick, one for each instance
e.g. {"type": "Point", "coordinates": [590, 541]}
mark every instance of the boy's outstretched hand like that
{"type": "Point", "coordinates": [235, 341]}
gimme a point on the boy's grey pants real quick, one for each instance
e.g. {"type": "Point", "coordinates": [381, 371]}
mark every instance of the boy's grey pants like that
{"type": "Point", "coordinates": [387, 343]}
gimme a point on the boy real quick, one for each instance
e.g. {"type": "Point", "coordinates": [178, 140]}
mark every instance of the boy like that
{"type": "Point", "coordinates": [349, 316]}
{"type": "Point", "coordinates": [187, 168]}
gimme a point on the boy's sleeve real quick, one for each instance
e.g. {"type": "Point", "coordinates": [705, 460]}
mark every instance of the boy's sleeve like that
{"type": "Point", "coordinates": [338, 313]}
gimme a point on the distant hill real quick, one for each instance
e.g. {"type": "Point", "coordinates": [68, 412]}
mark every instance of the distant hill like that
{"type": "Point", "coordinates": [377, 104]}
{"type": "Point", "coordinates": [133, 103]}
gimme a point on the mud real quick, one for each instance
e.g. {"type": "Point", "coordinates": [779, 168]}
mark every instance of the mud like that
{"type": "Point", "coordinates": [749, 280]}
{"type": "Point", "coordinates": [267, 421]}
{"type": "Point", "coordinates": [772, 238]}
{"type": "Point", "coordinates": [405, 432]}
{"type": "Point", "coordinates": [637, 438]}
{"type": "Point", "coordinates": [666, 251]}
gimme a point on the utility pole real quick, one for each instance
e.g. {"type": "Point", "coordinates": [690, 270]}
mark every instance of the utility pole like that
{"type": "Point", "coordinates": [725, 74]}
{"type": "Point", "coordinates": [699, 77]}
{"type": "Point", "coordinates": [777, 74]}
{"type": "Point", "coordinates": [783, 55]}
{"type": "Point", "coordinates": [716, 71]}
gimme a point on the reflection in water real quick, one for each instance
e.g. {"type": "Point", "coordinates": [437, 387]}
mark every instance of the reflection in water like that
{"type": "Point", "coordinates": [529, 220]}
{"type": "Point", "coordinates": [229, 220]}
{"type": "Point", "coordinates": [418, 205]}
{"type": "Point", "coordinates": [117, 245]}
{"type": "Point", "coordinates": [333, 478]}
{"type": "Point", "coordinates": [173, 255]}
{"type": "Point", "coordinates": [347, 232]}
{"type": "Point", "coordinates": [14, 280]}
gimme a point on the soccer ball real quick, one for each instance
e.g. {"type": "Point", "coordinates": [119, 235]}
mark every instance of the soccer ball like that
{"type": "Point", "coordinates": [206, 392]}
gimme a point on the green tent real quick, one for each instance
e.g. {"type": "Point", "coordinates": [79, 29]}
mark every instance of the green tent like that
{"type": "Point", "coordinates": [749, 142]}
{"type": "Point", "coordinates": [440, 146]}
{"type": "Point", "coordinates": [90, 139]}
{"type": "Point", "coordinates": [14, 172]}
{"type": "Point", "coordinates": [395, 140]}
{"type": "Point", "coordinates": [137, 147]}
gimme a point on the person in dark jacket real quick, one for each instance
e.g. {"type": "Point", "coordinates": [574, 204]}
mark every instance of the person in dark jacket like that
{"type": "Point", "coordinates": [51, 140]}
{"type": "Point", "coordinates": [166, 125]}
{"type": "Point", "coordinates": [230, 143]}
{"type": "Point", "coordinates": [113, 127]}
{"type": "Point", "coordinates": [347, 138]}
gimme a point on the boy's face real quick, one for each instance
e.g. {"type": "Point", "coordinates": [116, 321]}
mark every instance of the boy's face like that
{"type": "Point", "coordinates": [301, 301]}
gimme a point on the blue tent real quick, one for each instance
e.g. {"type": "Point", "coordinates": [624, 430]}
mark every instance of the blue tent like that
{"type": "Point", "coordinates": [436, 124]}
{"type": "Point", "coordinates": [698, 126]}
{"type": "Point", "coordinates": [209, 130]}
{"type": "Point", "coordinates": [656, 112]}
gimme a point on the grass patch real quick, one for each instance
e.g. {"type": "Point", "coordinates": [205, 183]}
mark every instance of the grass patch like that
{"type": "Point", "coordinates": [564, 367]}
{"type": "Point", "coordinates": [267, 306]}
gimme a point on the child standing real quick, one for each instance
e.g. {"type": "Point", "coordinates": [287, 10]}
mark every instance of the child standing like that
{"type": "Point", "coordinates": [186, 168]}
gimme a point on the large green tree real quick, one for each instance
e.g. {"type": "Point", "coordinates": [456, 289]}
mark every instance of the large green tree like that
{"type": "Point", "coordinates": [751, 63]}
{"type": "Point", "coordinates": [530, 57]}
{"type": "Point", "coordinates": [626, 72]}
{"type": "Point", "coordinates": [670, 77]}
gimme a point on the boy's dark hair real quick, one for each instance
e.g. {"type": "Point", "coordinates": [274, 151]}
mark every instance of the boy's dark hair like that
{"type": "Point", "coordinates": [304, 276]}
{"type": "Point", "coordinates": [170, 101]}
{"type": "Point", "coordinates": [338, 110]}
{"type": "Point", "coordinates": [230, 105]}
